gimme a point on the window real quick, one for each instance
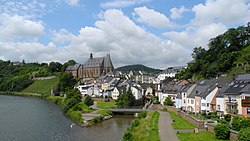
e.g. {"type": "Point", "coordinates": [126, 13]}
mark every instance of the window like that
{"type": "Point", "coordinates": [207, 104]}
{"type": "Point", "coordinates": [218, 107]}
{"type": "Point", "coordinates": [192, 101]}
{"type": "Point", "coordinates": [203, 104]}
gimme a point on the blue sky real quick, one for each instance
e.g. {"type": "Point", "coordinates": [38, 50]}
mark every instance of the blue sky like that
{"type": "Point", "coordinates": [156, 33]}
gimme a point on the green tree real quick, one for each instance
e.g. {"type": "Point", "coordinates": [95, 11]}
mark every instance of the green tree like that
{"type": "Point", "coordinates": [55, 67]}
{"type": "Point", "coordinates": [222, 131]}
{"type": "Point", "coordinates": [168, 101]}
{"type": "Point", "coordinates": [244, 134]}
{"type": "Point", "coordinates": [126, 99]}
{"type": "Point", "coordinates": [66, 81]}
{"type": "Point", "coordinates": [88, 101]}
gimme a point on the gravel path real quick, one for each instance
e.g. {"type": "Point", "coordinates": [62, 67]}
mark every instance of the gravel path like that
{"type": "Point", "coordinates": [166, 131]}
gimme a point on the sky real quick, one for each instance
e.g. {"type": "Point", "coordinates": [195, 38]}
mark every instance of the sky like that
{"type": "Point", "coordinates": [155, 33]}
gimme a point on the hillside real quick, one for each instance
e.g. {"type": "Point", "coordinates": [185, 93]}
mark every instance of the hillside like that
{"type": "Point", "coordinates": [138, 67]}
{"type": "Point", "coordinates": [227, 54]}
{"type": "Point", "coordinates": [42, 86]}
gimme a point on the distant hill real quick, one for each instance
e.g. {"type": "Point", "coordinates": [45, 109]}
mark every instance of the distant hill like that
{"type": "Point", "coordinates": [138, 67]}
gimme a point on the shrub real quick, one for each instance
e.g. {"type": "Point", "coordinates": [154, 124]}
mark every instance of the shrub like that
{"type": "Point", "coordinates": [88, 101]}
{"type": "Point", "coordinates": [135, 123]}
{"type": "Point", "coordinates": [222, 131]}
{"type": "Point", "coordinates": [127, 136]}
{"type": "Point", "coordinates": [168, 102]}
{"type": "Point", "coordinates": [227, 118]}
{"type": "Point", "coordinates": [244, 134]}
{"type": "Point", "coordinates": [236, 123]}
{"type": "Point", "coordinates": [142, 114]}
{"type": "Point", "coordinates": [244, 123]}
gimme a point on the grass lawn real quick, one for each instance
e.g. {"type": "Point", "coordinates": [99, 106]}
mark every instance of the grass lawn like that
{"type": "Point", "coordinates": [105, 105]}
{"type": "Point", "coordinates": [104, 112]}
{"type": "Point", "coordinates": [41, 86]}
{"type": "Point", "coordinates": [147, 130]}
{"type": "Point", "coordinates": [180, 123]}
{"type": "Point", "coordinates": [201, 136]}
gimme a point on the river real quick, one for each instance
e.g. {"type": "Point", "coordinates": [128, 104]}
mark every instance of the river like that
{"type": "Point", "coordinates": [34, 119]}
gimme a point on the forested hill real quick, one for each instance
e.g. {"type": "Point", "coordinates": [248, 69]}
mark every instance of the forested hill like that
{"type": "Point", "coordinates": [138, 67]}
{"type": "Point", "coordinates": [16, 76]}
{"type": "Point", "coordinates": [227, 54]}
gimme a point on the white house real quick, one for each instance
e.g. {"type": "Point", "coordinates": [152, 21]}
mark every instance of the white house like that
{"type": "Point", "coordinates": [178, 101]}
{"type": "Point", "coordinates": [169, 72]}
{"type": "Point", "coordinates": [137, 91]}
{"type": "Point", "coordinates": [149, 91]}
{"type": "Point", "coordinates": [206, 99]}
{"type": "Point", "coordinates": [115, 93]}
{"type": "Point", "coordinates": [89, 89]}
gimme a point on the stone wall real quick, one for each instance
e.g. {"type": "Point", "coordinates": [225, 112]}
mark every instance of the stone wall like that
{"type": "Point", "coordinates": [194, 121]}
{"type": "Point", "coordinates": [233, 135]}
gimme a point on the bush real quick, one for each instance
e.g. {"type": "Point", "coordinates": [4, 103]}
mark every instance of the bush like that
{"type": "Point", "coordinates": [222, 131]}
{"type": "Point", "coordinates": [168, 102]}
{"type": "Point", "coordinates": [236, 125]}
{"type": "Point", "coordinates": [127, 136]}
{"type": "Point", "coordinates": [227, 118]}
{"type": "Point", "coordinates": [142, 114]}
{"type": "Point", "coordinates": [135, 123]}
{"type": "Point", "coordinates": [88, 101]}
{"type": "Point", "coordinates": [244, 134]}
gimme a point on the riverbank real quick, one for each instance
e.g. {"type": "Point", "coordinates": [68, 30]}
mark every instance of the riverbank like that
{"type": "Point", "coordinates": [144, 127]}
{"type": "Point", "coordinates": [73, 113]}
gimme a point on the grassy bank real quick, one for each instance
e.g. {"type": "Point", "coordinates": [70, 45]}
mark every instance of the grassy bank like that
{"type": "Point", "coordinates": [105, 105]}
{"type": "Point", "coordinates": [144, 128]}
{"type": "Point", "coordinates": [21, 94]}
{"type": "Point", "coordinates": [201, 136]}
{"type": "Point", "coordinates": [41, 86]}
{"type": "Point", "coordinates": [180, 123]}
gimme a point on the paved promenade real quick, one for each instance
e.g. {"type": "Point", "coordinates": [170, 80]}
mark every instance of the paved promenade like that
{"type": "Point", "coordinates": [166, 131]}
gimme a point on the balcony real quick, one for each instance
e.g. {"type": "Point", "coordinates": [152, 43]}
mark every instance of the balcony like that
{"type": "Point", "coordinates": [232, 111]}
{"type": "Point", "coordinates": [245, 102]}
{"type": "Point", "coordinates": [231, 102]}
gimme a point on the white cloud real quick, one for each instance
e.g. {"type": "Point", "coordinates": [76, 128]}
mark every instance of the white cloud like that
{"type": "Point", "coordinates": [194, 36]}
{"type": "Point", "coordinates": [29, 9]}
{"type": "Point", "coordinates": [225, 11]}
{"type": "Point", "coordinates": [152, 18]}
{"type": "Point", "coordinates": [19, 27]}
{"type": "Point", "coordinates": [176, 13]}
{"type": "Point", "coordinates": [72, 2]}
{"type": "Point", "coordinates": [115, 34]}
{"type": "Point", "coordinates": [62, 36]}
{"type": "Point", "coordinates": [122, 3]}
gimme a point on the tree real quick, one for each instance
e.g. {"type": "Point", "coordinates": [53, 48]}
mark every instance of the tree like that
{"type": "Point", "coordinates": [222, 131]}
{"type": "Point", "coordinates": [55, 67]}
{"type": "Point", "coordinates": [66, 80]}
{"type": "Point", "coordinates": [88, 101]}
{"type": "Point", "coordinates": [244, 134]}
{"type": "Point", "coordinates": [126, 99]}
{"type": "Point", "coordinates": [198, 53]}
{"type": "Point", "coordinates": [168, 101]}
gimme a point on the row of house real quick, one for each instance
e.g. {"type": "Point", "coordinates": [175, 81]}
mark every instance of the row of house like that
{"type": "Point", "coordinates": [109, 86]}
{"type": "Point", "coordinates": [221, 95]}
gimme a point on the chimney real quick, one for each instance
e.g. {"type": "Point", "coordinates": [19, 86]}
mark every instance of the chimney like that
{"type": "Point", "coordinates": [91, 56]}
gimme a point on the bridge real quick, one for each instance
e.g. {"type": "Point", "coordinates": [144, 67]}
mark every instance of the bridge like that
{"type": "Point", "coordinates": [128, 109]}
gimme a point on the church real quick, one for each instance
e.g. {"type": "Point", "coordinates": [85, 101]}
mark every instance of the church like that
{"type": "Point", "coordinates": [92, 68]}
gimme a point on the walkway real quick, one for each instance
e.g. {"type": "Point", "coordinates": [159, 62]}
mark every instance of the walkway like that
{"type": "Point", "coordinates": [166, 131]}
